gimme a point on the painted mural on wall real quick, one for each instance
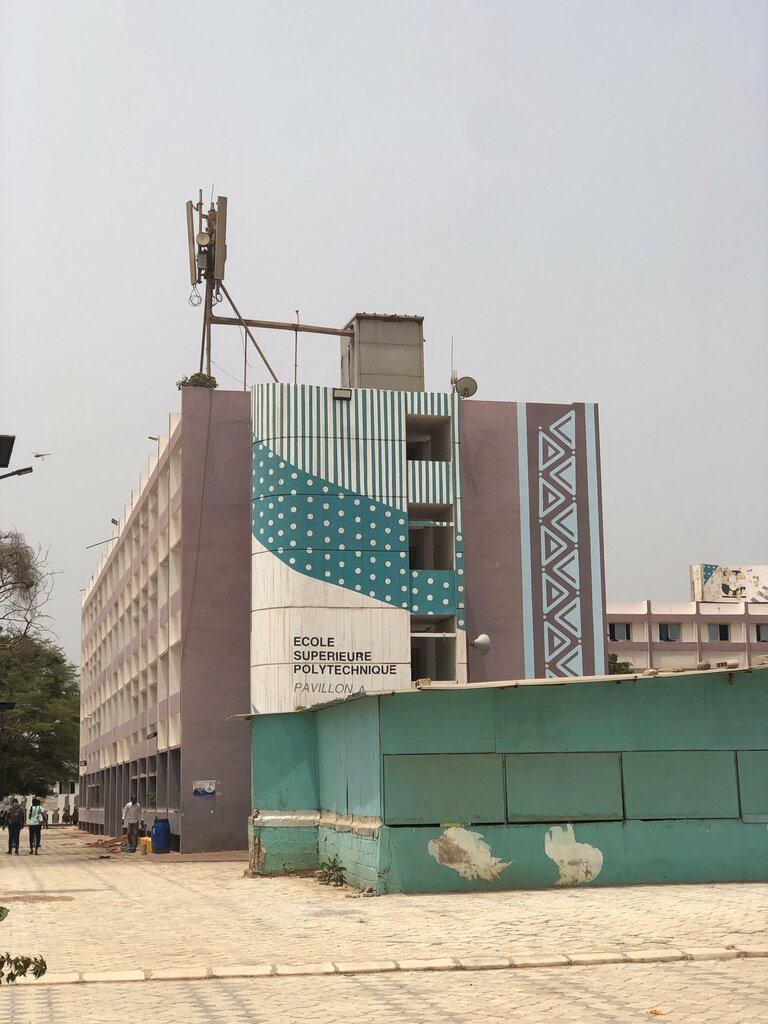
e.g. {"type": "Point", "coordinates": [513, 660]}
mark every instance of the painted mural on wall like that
{"type": "Point", "coordinates": [561, 542]}
{"type": "Point", "coordinates": [333, 588]}
{"type": "Point", "coordinates": [559, 538]}
{"type": "Point", "coordinates": [718, 583]}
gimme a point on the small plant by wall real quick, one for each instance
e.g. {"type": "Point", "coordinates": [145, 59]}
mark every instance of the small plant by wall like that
{"type": "Point", "coordinates": [331, 872]}
{"type": "Point", "coordinates": [197, 380]}
{"type": "Point", "coordinates": [14, 967]}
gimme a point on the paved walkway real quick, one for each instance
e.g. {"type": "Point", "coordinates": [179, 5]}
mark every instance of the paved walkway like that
{"type": "Point", "coordinates": [443, 957]}
{"type": "Point", "coordinates": [734, 992]}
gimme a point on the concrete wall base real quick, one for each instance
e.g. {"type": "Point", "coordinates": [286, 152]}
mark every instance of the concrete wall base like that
{"type": "Point", "coordinates": [474, 858]}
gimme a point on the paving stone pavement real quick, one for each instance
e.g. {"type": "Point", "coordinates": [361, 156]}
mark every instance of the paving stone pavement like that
{"type": "Point", "coordinates": [133, 913]}
{"type": "Point", "coordinates": [730, 992]}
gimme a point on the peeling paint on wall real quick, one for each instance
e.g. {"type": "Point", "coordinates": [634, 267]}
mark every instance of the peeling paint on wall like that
{"type": "Point", "coordinates": [466, 853]}
{"type": "Point", "coordinates": [576, 862]}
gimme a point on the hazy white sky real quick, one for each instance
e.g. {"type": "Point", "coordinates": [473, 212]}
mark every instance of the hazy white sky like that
{"type": "Point", "coordinates": [575, 191]}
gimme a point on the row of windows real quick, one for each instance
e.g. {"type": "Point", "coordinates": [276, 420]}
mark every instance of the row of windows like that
{"type": "Point", "coordinates": [671, 631]}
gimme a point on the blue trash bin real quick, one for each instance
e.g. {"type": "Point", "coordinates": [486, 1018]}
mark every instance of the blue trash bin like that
{"type": "Point", "coordinates": [161, 836]}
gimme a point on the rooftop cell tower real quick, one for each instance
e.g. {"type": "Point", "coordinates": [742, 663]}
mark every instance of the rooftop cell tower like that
{"type": "Point", "coordinates": [207, 247]}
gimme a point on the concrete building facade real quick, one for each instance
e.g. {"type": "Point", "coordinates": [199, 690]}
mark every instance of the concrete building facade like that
{"type": "Point", "coordinates": [391, 526]}
{"type": "Point", "coordinates": [687, 635]}
{"type": "Point", "coordinates": [386, 522]}
{"type": "Point", "coordinates": [165, 632]}
{"type": "Point", "coordinates": [305, 544]}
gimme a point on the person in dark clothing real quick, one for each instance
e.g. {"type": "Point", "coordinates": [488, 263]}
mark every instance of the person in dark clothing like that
{"type": "Point", "coordinates": [14, 819]}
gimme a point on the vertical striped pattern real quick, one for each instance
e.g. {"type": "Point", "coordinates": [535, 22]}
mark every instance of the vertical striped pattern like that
{"type": "Point", "coordinates": [598, 611]}
{"type": "Point", "coordinates": [430, 483]}
{"type": "Point", "coordinates": [525, 540]}
{"type": "Point", "coordinates": [454, 409]}
{"type": "Point", "coordinates": [358, 444]}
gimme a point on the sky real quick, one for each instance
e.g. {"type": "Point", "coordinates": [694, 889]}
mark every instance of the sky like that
{"type": "Point", "coordinates": [575, 192]}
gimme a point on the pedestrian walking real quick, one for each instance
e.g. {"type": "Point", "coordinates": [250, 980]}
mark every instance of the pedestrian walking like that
{"type": "Point", "coordinates": [36, 818]}
{"type": "Point", "coordinates": [131, 819]}
{"type": "Point", "coordinates": [14, 819]}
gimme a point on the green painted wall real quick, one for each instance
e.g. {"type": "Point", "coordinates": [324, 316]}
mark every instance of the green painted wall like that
{"type": "Point", "coordinates": [659, 779]}
{"type": "Point", "coordinates": [633, 853]}
{"type": "Point", "coordinates": [753, 784]}
{"type": "Point", "coordinates": [563, 787]}
{"type": "Point", "coordinates": [349, 762]}
{"type": "Point", "coordinates": [283, 762]}
{"type": "Point", "coordinates": [275, 851]}
{"type": "Point", "coordinates": [359, 855]}
{"type": "Point", "coordinates": [691, 712]}
{"type": "Point", "coordinates": [680, 784]}
{"type": "Point", "coordinates": [435, 788]}
{"type": "Point", "coordinates": [441, 722]}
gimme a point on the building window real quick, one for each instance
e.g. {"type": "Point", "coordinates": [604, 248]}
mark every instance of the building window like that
{"type": "Point", "coordinates": [619, 631]}
{"type": "Point", "coordinates": [718, 631]}
{"type": "Point", "coordinates": [669, 631]}
{"type": "Point", "coordinates": [762, 632]}
{"type": "Point", "coordinates": [428, 438]}
{"type": "Point", "coordinates": [433, 654]}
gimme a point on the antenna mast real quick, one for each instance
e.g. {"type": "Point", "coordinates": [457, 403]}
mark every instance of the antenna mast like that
{"type": "Point", "coordinates": [207, 248]}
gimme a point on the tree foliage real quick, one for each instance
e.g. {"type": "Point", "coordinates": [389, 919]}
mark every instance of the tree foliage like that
{"type": "Point", "coordinates": [25, 586]}
{"type": "Point", "coordinates": [618, 668]}
{"type": "Point", "coordinates": [13, 967]}
{"type": "Point", "coordinates": [41, 734]}
{"type": "Point", "coordinates": [197, 380]}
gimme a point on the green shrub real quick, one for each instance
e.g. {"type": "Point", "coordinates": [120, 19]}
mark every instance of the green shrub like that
{"type": "Point", "coordinates": [197, 380]}
{"type": "Point", "coordinates": [13, 967]}
{"type": "Point", "coordinates": [331, 872]}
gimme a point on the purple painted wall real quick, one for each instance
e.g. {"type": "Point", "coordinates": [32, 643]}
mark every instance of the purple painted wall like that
{"type": "Point", "coordinates": [491, 512]}
{"type": "Point", "coordinates": [215, 616]}
{"type": "Point", "coordinates": [533, 501]}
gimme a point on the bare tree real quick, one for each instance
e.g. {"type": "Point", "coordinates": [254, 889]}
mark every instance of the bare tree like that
{"type": "Point", "coordinates": [25, 587]}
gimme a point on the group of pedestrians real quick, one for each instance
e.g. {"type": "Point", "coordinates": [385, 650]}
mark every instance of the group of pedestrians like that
{"type": "Point", "coordinates": [13, 820]}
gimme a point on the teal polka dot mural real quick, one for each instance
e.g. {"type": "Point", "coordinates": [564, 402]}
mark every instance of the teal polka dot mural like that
{"type": "Point", "coordinates": [343, 538]}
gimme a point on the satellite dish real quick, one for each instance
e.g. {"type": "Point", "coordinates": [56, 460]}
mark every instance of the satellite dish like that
{"type": "Point", "coordinates": [203, 238]}
{"type": "Point", "coordinates": [465, 386]}
{"type": "Point", "coordinates": [482, 643]}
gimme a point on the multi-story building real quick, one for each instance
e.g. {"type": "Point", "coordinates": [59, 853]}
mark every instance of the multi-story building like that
{"type": "Point", "coordinates": [725, 626]}
{"type": "Point", "coordinates": [389, 527]}
{"type": "Point", "coordinates": [165, 627]}
{"type": "Point", "coordinates": [391, 524]}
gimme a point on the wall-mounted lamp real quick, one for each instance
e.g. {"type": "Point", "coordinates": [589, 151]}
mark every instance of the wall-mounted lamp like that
{"type": "Point", "coordinates": [482, 643]}
{"type": "Point", "coordinates": [342, 394]}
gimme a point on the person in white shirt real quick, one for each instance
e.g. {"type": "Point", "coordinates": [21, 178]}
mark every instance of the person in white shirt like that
{"type": "Point", "coordinates": [131, 819]}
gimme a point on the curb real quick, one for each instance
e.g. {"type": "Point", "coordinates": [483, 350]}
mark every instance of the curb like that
{"type": "Point", "coordinates": [517, 961]}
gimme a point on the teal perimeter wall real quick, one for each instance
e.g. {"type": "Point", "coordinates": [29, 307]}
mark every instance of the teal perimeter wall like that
{"type": "Point", "coordinates": [662, 779]}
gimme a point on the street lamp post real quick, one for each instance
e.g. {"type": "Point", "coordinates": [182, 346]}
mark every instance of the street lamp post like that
{"type": "Point", "coordinates": [18, 472]}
